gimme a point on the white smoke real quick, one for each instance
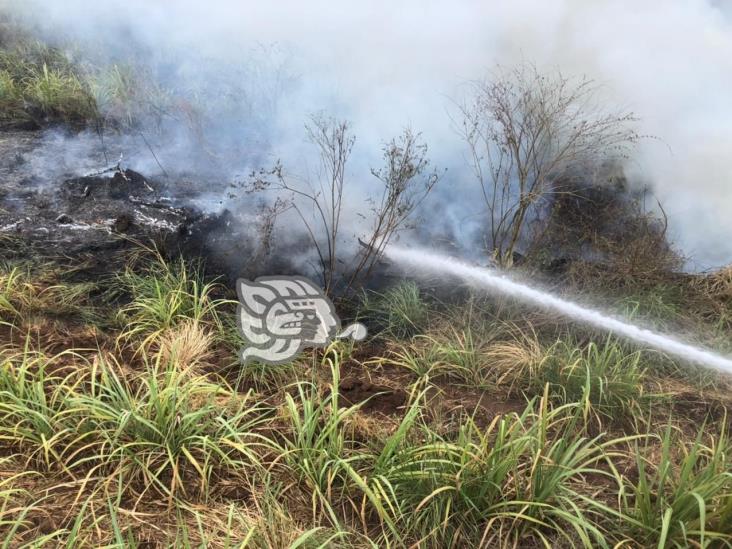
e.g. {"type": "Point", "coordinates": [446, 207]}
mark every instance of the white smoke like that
{"type": "Point", "coordinates": [385, 65]}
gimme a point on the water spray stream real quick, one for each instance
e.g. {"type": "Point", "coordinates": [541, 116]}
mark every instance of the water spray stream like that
{"type": "Point", "coordinates": [490, 280]}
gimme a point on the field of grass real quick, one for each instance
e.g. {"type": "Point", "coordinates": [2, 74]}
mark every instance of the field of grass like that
{"type": "Point", "coordinates": [39, 84]}
{"type": "Point", "coordinates": [43, 85]}
{"type": "Point", "coordinates": [126, 421]}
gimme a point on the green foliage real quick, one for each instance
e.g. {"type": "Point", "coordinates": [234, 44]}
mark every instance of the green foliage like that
{"type": "Point", "coordinates": [317, 450]}
{"type": "Point", "coordinates": [162, 427]}
{"type": "Point", "coordinates": [606, 378]}
{"type": "Point", "coordinates": [512, 481]}
{"type": "Point", "coordinates": [164, 295]}
{"type": "Point", "coordinates": [660, 305]}
{"type": "Point", "coordinates": [35, 407]}
{"type": "Point", "coordinates": [682, 494]}
{"type": "Point", "coordinates": [126, 97]}
{"type": "Point", "coordinates": [421, 357]}
{"type": "Point", "coordinates": [400, 311]}
{"type": "Point", "coordinates": [40, 83]}
{"type": "Point", "coordinates": [168, 425]}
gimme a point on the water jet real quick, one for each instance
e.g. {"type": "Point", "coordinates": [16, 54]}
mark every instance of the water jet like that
{"type": "Point", "coordinates": [493, 281]}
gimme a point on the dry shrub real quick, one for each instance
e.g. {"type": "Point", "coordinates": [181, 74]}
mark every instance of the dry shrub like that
{"type": "Point", "coordinates": [601, 234]}
{"type": "Point", "coordinates": [517, 358]}
{"type": "Point", "coordinates": [187, 346]}
{"type": "Point", "coordinates": [712, 296]}
{"type": "Point", "coordinates": [528, 133]}
{"type": "Point", "coordinates": [716, 285]}
{"type": "Point", "coordinates": [42, 291]}
{"type": "Point", "coordinates": [370, 427]}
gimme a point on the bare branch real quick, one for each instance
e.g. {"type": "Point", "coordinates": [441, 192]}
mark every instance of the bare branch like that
{"type": "Point", "coordinates": [526, 132]}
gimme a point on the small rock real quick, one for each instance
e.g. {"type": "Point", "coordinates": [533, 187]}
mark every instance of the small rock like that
{"type": "Point", "coordinates": [122, 223]}
{"type": "Point", "coordinates": [64, 219]}
{"type": "Point", "coordinates": [558, 265]}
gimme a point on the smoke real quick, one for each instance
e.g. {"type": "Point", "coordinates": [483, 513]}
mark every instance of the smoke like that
{"type": "Point", "coordinates": [258, 69]}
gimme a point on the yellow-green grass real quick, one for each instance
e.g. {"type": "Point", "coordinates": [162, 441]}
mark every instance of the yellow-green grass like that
{"type": "Point", "coordinates": [153, 437]}
{"type": "Point", "coordinates": [40, 84]}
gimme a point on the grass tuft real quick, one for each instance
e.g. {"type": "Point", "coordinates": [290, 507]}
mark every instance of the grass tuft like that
{"type": "Point", "coordinates": [400, 311]}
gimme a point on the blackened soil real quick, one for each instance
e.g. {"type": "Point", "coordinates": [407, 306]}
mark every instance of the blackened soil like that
{"type": "Point", "coordinates": [49, 214]}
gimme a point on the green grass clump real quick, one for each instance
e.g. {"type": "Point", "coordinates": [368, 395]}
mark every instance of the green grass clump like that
{"type": "Point", "coordinates": [682, 494]}
{"type": "Point", "coordinates": [421, 357]}
{"type": "Point", "coordinates": [164, 295]}
{"type": "Point", "coordinates": [59, 95]}
{"type": "Point", "coordinates": [606, 377]}
{"type": "Point", "coordinates": [27, 293]}
{"type": "Point", "coordinates": [316, 450]}
{"type": "Point", "coordinates": [400, 311]}
{"type": "Point", "coordinates": [11, 99]}
{"type": "Point", "coordinates": [461, 355]}
{"type": "Point", "coordinates": [127, 97]}
{"type": "Point", "coordinates": [510, 482]}
{"type": "Point", "coordinates": [165, 427]}
{"type": "Point", "coordinates": [41, 84]}
{"type": "Point", "coordinates": [661, 306]}
{"type": "Point", "coordinates": [36, 407]}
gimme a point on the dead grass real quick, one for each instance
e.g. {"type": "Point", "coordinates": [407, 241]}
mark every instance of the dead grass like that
{"type": "Point", "coordinates": [187, 347]}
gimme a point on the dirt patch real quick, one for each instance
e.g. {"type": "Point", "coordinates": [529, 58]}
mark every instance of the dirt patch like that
{"type": "Point", "coordinates": [449, 403]}
{"type": "Point", "coordinates": [374, 398]}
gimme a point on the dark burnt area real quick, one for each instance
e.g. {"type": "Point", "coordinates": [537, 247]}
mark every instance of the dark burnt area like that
{"type": "Point", "coordinates": [597, 222]}
{"type": "Point", "coordinates": [85, 223]}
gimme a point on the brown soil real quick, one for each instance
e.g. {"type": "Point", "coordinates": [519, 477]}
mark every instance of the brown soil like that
{"type": "Point", "coordinates": [375, 398]}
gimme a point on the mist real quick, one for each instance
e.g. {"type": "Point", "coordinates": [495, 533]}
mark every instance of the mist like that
{"type": "Point", "coordinates": [261, 69]}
